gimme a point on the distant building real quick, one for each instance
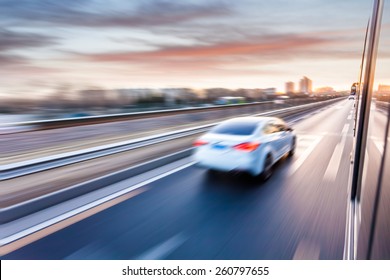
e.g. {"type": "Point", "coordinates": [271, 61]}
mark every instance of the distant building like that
{"type": "Point", "coordinates": [305, 85]}
{"type": "Point", "coordinates": [290, 87]}
{"type": "Point", "coordinates": [269, 91]}
{"type": "Point", "coordinates": [129, 96]}
{"type": "Point", "coordinates": [383, 93]}
{"type": "Point", "coordinates": [323, 90]}
{"type": "Point", "coordinates": [93, 97]}
{"type": "Point", "coordinates": [212, 94]}
{"type": "Point", "coordinates": [178, 95]}
{"type": "Point", "coordinates": [384, 89]}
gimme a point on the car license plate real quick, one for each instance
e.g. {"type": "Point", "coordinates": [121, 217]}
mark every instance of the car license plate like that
{"type": "Point", "coordinates": [219, 147]}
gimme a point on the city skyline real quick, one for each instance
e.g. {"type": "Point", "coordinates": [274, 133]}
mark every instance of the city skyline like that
{"type": "Point", "coordinates": [166, 44]}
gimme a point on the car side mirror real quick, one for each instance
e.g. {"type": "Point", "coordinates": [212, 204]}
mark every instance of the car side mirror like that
{"type": "Point", "coordinates": [289, 129]}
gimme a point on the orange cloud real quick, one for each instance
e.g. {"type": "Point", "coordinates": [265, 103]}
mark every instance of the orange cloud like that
{"type": "Point", "coordinates": [270, 46]}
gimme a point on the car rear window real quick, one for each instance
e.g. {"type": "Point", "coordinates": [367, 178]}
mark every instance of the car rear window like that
{"type": "Point", "coordinates": [235, 128]}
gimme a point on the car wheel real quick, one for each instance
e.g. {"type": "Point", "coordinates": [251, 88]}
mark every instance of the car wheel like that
{"type": "Point", "coordinates": [212, 173]}
{"type": "Point", "coordinates": [268, 168]}
{"type": "Point", "coordinates": [292, 150]}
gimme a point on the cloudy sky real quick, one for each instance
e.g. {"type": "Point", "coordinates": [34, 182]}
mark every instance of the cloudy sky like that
{"type": "Point", "coordinates": [181, 43]}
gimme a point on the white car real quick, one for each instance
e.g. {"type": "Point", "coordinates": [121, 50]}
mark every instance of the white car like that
{"type": "Point", "coordinates": [249, 144]}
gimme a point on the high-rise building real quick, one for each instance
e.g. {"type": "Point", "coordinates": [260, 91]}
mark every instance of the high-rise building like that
{"type": "Point", "coordinates": [289, 87]}
{"type": "Point", "coordinates": [305, 85]}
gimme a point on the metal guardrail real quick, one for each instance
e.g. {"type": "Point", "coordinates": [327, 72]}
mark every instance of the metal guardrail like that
{"type": "Point", "coordinates": [19, 169]}
{"type": "Point", "coordinates": [87, 120]}
{"type": "Point", "coordinates": [15, 170]}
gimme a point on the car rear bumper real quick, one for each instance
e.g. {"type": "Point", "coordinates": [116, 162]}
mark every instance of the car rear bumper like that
{"type": "Point", "coordinates": [230, 161]}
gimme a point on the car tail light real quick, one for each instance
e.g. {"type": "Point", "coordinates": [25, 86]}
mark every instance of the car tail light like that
{"type": "Point", "coordinates": [247, 146]}
{"type": "Point", "coordinates": [199, 142]}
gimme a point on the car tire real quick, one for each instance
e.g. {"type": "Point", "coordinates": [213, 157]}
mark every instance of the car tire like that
{"type": "Point", "coordinates": [212, 173]}
{"type": "Point", "coordinates": [292, 150]}
{"type": "Point", "coordinates": [268, 168]}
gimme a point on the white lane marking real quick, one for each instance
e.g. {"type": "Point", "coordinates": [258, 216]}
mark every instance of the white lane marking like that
{"type": "Point", "coordinates": [162, 250]}
{"type": "Point", "coordinates": [349, 117]}
{"type": "Point", "coordinates": [307, 250]}
{"type": "Point", "coordinates": [345, 130]}
{"type": "Point", "coordinates": [335, 160]}
{"type": "Point", "coordinates": [305, 141]}
{"type": "Point", "coordinates": [88, 206]}
{"type": "Point", "coordinates": [302, 158]}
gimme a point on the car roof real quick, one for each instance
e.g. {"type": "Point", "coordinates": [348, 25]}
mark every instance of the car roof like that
{"type": "Point", "coordinates": [252, 119]}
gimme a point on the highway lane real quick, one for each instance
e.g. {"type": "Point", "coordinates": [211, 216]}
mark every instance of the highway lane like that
{"type": "Point", "coordinates": [191, 214]}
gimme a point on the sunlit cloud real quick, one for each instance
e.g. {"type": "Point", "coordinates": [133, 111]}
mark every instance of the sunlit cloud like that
{"type": "Point", "coordinates": [276, 45]}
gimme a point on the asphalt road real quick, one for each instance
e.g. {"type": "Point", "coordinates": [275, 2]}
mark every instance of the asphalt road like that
{"type": "Point", "coordinates": [299, 213]}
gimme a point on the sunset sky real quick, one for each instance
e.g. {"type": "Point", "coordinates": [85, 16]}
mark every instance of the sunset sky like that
{"type": "Point", "coordinates": [181, 43]}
